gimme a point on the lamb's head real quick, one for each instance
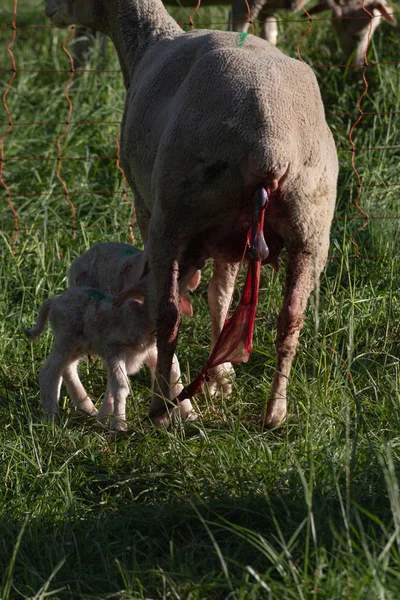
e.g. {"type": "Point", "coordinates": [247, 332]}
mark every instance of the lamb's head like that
{"type": "Point", "coordinates": [137, 293]}
{"type": "Point", "coordinates": [355, 21]}
{"type": "Point", "coordinates": [64, 13]}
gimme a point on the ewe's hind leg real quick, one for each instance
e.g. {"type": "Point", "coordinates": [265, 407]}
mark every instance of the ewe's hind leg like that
{"type": "Point", "coordinates": [76, 390]}
{"type": "Point", "coordinates": [185, 408]}
{"type": "Point", "coordinates": [302, 273]}
{"type": "Point", "coordinates": [165, 273]}
{"type": "Point", "coordinates": [119, 387]}
{"type": "Point", "coordinates": [220, 293]}
{"type": "Point", "coordinates": [142, 215]}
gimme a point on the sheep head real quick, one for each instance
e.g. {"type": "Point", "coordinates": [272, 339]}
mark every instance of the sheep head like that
{"type": "Point", "coordinates": [64, 13]}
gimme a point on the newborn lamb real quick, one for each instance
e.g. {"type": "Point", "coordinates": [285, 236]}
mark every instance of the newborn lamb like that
{"type": "Point", "coordinates": [86, 320]}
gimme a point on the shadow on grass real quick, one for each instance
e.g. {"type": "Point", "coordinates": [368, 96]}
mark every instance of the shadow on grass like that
{"type": "Point", "coordinates": [205, 548]}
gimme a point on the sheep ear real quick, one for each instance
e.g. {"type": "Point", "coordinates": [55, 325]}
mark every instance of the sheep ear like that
{"type": "Point", "coordinates": [145, 263]}
{"type": "Point", "coordinates": [185, 306]}
{"type": "Point", "coordinates": [135, 291]}
{"type": "Point", "coordinates": [386, 12]}
{"type": "Point", "coordinates": [194, 282]}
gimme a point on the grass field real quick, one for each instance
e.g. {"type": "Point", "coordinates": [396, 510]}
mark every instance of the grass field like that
{"type": "Point", "coordinates": [219, 508]}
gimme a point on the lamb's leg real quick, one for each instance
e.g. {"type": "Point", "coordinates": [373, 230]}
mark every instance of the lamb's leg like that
{"type": "Point", "coordinates": [119, 387]}
{"type": "Point", "coordinates": [76, 390]}
{"type": "Point", "coordinates": [220, 293]}
{"type": "Point", "coordinates": [50, 378]}
{"type": "Point", "coordinates": [302, 273]}
{"type": "Point", "coordinates": [107, 406]}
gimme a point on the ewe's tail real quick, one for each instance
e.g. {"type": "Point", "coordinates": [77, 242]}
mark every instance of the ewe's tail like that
{"type": "Point", "coordinates": [35, 331]}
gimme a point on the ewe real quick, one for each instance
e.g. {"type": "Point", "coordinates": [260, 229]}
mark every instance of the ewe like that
{"type": "Point", "coordinates": [211, 118]}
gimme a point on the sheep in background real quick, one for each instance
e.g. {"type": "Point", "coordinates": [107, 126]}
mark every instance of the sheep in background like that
{"type": "Point", "coordinates": [353, 24]}
{"type": "Point", "coordinates": [211, 118]}
{"type": "Point", "coordinates": [350, 21]}
{"type": "Point", "coordinates": [87, 321]}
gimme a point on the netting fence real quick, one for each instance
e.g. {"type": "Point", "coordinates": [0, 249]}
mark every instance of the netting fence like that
{"type": "Point", "coordinates": [59, 126]}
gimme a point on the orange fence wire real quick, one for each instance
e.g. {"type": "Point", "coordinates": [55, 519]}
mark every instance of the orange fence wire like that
{"type": "Point", "coordinates": [64, 133]}
{"type": "Point", "coordinates": [358, 115]}
{"type": "Point", "coordinates": [10, 128]}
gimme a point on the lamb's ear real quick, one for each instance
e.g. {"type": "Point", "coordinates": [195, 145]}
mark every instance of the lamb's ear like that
{"type": "Point", "coordinates": [386, 11]}
{"type": "Point", "coordinates": [194, 281]}
{"type": "Point", "coordinates": [145, 269]}
{"type": "Point", "coordinates": [136, 291]}
{"type": "Point", "coordinates": [185, 306]}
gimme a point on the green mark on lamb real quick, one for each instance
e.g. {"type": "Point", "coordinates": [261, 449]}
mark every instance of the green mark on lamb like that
{"type": "Point", "coordinates": [241, 38]}
{"type": "Point", "coordinates": [129, 251]}
{"type": "Point", "coordinates": [96, 295]}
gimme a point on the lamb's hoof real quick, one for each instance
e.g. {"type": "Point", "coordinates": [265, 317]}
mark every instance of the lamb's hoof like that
{"type": "Point", "coordinates": [221, 384]}
{"type": "Point", "coordinates": [276, 414]}
{"type": "Point", "coordinates": [88, 407]}
{"type": "Point", "coordinates": [90, 413]}
{"type": "Point", "coordinates": [118, 424]}
{"type": "Point", "coordinates": [102, 418]}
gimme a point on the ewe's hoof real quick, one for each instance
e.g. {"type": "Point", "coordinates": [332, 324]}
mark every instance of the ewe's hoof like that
{"type": "Point", "coordinates": [184, 411]}
{"type": "Point", "coordinates": [117, 424]}
{"type": "Point", "coordinates": [222, 382]}
{"type": "Point", "coordinates": [51, 418]}
{"type": "Point", "coordinates": [162, 420]}
{"type": "Point", "coordinates": [219, 390]}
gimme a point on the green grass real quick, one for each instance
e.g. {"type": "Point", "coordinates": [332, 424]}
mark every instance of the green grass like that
{"type": "Point", "coordinates": [219, 508]}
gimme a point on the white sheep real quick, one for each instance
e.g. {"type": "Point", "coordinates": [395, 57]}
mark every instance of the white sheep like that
{"type": "Point", "coordinates": [210, 119]}
{"type": "Point", "coordinates": [85, 322]}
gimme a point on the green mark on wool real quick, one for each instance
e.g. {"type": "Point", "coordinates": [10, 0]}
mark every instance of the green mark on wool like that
{"type": "Point", "coordinates": [96, 295]}
{"type": "Point", "coordinates": [241, 38]}
{"type": "Point", "coordinates": [129, 251]}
